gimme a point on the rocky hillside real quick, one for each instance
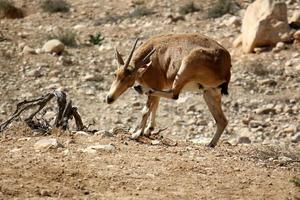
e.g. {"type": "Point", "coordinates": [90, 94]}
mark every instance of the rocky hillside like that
{"type": "Point", "coordinates": [263, 106]}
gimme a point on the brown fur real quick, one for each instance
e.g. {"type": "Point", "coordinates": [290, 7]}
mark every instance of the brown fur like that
{"type": "Point", "coordinates": [209, 63]}
{"type": "Point", "coordinates": [179, 60]}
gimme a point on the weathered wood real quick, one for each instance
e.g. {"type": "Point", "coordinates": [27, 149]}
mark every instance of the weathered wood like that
{"type": "Point", "coordinates": [65, 112]}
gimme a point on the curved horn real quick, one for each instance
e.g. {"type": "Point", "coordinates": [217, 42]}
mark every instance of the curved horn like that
{"type": "Point", "coordinates": [119, 57]}
{"type": "Point", "coordinates": [145, 59]}
{"type": "Point", "coordinates": [131, 53]}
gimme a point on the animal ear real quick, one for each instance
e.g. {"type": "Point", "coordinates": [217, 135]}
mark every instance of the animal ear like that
{"type": "Point", "coordinates": [119, 57]}
{"type": "Point", "coordinates": [145, 60]}
{"type": "Point", "coordinates": [144, 68]}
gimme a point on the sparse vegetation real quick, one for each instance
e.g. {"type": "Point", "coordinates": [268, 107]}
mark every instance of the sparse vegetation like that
{"type": "Point", "coordinates": [219, 9]}
{"type": "Point", "coordinates": [140, 12]}
{"type": "Point", "coordinates": [67, 37]}
{"type": "Point", "coordinates": [257, 68]}
{"type": "Point", "coordinates": [2, 38]}
{"type": "Point", "coordinates": [188, 8]}
{"type": "Point", "coordinates": [8, 10]}
{"type": "Point", "coordinates": [296, 181]}
{"type": "Point", "coordinates": [96, 39]}
{"type": "Point", "coordinates": [53, 6]}
{"type": "Point", "coordinates": [116, 18]}
{"type": "Point", "coordinates": [110, 18]}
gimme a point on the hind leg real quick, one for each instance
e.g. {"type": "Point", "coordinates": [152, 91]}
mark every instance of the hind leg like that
{"type": "Point", "coordinates": [212, 97]}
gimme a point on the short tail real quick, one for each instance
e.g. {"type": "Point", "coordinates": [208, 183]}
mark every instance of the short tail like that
{"type": "Point", "coordinates": [224, 88]}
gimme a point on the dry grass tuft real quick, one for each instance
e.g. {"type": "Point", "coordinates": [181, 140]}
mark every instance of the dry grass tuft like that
{"type": "Point", "coordinates": [54, 6]}
{"type": "Point", "coordinates": [8, 10]}
{"type": "Point", "coordinates": [68, 37]}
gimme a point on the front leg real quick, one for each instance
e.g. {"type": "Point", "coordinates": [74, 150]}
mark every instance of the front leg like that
{"type": "Point", "coordinates": [152, 123]}
{"type": "Point", "coordinates": [151, 101]}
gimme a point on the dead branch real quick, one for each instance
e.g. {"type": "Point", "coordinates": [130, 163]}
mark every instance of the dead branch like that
{"type": "Point", "coordinates": [65, 112]}
{"type": "Point", "coordinates": [2, 38]}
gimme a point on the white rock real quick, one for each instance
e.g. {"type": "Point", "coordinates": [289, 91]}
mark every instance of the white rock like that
{"type": "Point", "coordinates": [264, 23]}
{"type": "Point", "coordinates": [233, 21]}
{"type": "Point", "coordinates": [201, 140]}
{"type": "Point", "coordinates": [100, 147]}
{"type": "Point", "coordinates": [47, 143]}
{"type": "Point", "coordinates": [82, 133]}
{"type": "Point", "coordinates": [39, 51]}
{"type": "Point", "coordinates": [279, 46]}
{"type": "Point", "coordinates": [296, 138]}
{"type": "Point", "coordinates": [54, 46]}
{"type": "Point", "coordinates": [155, 142]}
{"type": "Point", "coordinates": [295, 17]}
{"type": "Point", "coordinates": [28, 50]}
{"type": "Point", "coordinates": [79, 26]}
{"type": "Point", "coordinates": [238, 41]}
{"type": "Point", "coordinates": [104, 133]}
{"type": "Point", "coordinates": [296, 35]}
{"type": "Point", "coordinates": [284, 159]}
{"type": "Point", "coordinates": [92, 77]}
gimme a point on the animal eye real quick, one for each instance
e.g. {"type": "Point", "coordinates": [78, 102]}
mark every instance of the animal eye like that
{"type": "Point", "coordinates": [115, 75]}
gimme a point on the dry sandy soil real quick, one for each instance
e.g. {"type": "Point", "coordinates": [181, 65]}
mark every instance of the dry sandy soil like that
{"type": "Point", "coordinates": [174, 165]}
{"type": "Point", "coordinates": [141, 171]}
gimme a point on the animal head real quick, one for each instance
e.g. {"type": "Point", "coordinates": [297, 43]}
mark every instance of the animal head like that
{"type": "Point", "coordinates": [126, 75]}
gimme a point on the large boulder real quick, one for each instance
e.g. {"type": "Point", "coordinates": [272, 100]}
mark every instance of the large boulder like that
{"type": "Point", "coordinates": [265, 23]}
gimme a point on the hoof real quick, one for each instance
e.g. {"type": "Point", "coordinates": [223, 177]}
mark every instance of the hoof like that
{"type": "Point", "coordinates": [211, 145]}
{"type": "Point", "coordinates": [135, 135]}
{"type": "Point", "coordinates": [148, 131]}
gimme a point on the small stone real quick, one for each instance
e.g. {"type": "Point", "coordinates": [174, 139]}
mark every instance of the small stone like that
{"type": "Point", "coordinates": [79, 26]}
{"type": "Point", "coordinates": [28, 50]}
{"type": "Point", "coordinates": [201, 140]}
{"type": "Point", "coordinates": [278, 108]}
{"type": "Point", "coordinates": [104, 133]}
{"type": "Point", "coordinates": [264, 111]}
{"type": "Point", "coordinates": [244, 140]}
{"type": "Point", "coordinates": [233, 21]}
{"type": "Point", "coordinates": [279, 46]}
{"type": "Point", "coordinates": [284, 159]}
{"type": "Point", "coordinates": [290, 129]}
{"type": "Point", "coordinates": [90, 92]}
{"type": "Point", "coordinates": [92, 77]}
{"type": "Point", "coordinates": [54, 46]}
{"type": "Point", "coordinates": [155, 142]}
{"type": "Point", "coordinates": [255, 124]}
{"type": "Point", "coordinates": [82, 133]}
{"type": "Point", "coordinates": [47, 143]}
{"type": "Point", "coordinates": [296, 138]}
{"type": "Point", "coordinates": [296, 35]}
{"type": "Point", "coordinates": [39, 51]}
{"type": "Point", "coordinates": [100, 147]}
{"type": "Point", "coordinates": [44, 193]}
{"type": "Point", "coordinates": [238, 41]}
{"type": "Point", "coordinates": [295, 17]}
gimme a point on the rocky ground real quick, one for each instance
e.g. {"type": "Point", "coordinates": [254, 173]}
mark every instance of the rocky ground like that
{"type": "Point", "coordinates": [257, 158]}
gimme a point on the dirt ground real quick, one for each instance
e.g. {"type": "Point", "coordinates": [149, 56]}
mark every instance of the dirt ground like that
{"type": "Point", "coordinates": [142, 171]}
{"type": "Point", "coordinates": [175, 164]}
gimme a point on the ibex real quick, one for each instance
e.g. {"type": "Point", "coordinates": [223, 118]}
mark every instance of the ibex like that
{"type": "Point", "coordinates": [167, 65]}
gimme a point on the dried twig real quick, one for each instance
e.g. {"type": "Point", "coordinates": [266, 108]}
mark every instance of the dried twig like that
{"type": "Point", "coordinates": [65, 112]}
{"type": "Point", "coordinates": [2, 38]}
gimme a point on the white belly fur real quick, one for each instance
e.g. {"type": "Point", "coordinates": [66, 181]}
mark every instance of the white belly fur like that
{"type": "Point", "coordinates": [189, 87]}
